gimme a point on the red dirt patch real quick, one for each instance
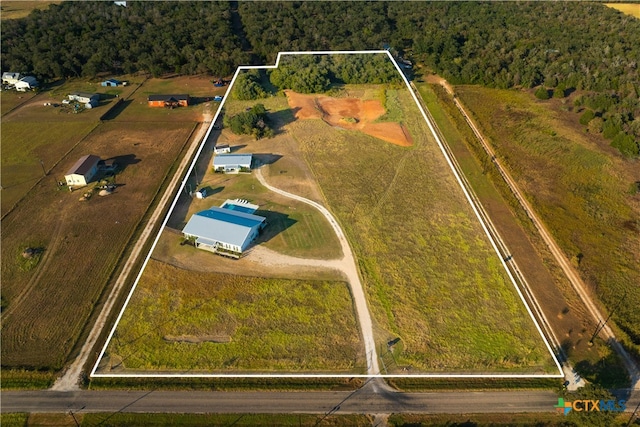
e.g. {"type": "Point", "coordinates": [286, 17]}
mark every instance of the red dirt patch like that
{"type": "Point", "coordinates": [349, 113]}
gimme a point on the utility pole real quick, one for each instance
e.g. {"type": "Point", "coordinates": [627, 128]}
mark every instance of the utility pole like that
{"type": "Point", "coordinates": [600, 326]}
{"type": "Point", "coordinates": [44, 172]}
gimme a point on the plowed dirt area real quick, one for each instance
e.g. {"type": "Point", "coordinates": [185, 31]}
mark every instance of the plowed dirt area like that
{"type": "Point", "coordinates": [349, 113]}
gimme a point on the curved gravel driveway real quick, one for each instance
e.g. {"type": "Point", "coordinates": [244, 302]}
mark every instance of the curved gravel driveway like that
{"type": "Point", "coordinates": [348, 266]}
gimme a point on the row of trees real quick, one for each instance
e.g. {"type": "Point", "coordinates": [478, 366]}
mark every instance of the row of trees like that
{"type": "Point", "coordinates": [561, 45]}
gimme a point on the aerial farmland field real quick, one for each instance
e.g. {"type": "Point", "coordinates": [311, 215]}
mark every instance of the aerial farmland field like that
{"type": "Point", "coordinates": [436, 288]}
{"type": "Point", "coordinates": [47, 299]}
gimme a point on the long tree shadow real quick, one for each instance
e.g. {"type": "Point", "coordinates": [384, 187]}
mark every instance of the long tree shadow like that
{"type": "Point", "coordinates": [118, 108]}
{"type": "Point", "coordinates": [279, 119]}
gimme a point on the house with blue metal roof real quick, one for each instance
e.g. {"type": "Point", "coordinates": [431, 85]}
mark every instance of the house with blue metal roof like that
{"type": "Point", "coordinates": [224, 230]}
{"type": "Point", "coordinates": [232, 163]}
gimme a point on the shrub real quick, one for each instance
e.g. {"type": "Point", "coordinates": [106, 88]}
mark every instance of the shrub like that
{"type": "Point", "coordinates": [625, 143]}
{"type": "Point", "coordinates": [586, 117]}
{"type": "Point", "coordinates": [542, 93]}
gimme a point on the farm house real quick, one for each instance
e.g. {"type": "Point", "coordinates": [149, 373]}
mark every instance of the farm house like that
{"type": "Point", "coordinates": [26, 83]}
{"type": "Point", "coordinates": [232, 163]}
{"type": "Point", "coordinates": [226, 230]}
{"type": "Point", "coordinates": [82, 171]}
{"type": "Point", "coordinates": [169, 101]}
{"type": "Point", "coordinates": [10, 78]}
{"type": "Point", "coordinates": [89, 100]}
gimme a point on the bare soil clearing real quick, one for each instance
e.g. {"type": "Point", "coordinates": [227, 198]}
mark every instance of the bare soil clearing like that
{"type": "Point", "coordinates": [349, 113]}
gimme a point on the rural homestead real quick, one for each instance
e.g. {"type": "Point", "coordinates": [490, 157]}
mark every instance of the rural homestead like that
{"type": "Point", "coordinates": [226, 230]}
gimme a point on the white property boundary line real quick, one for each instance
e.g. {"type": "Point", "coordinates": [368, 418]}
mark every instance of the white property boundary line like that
{"type": "Point", "coordinates": [449, 162]}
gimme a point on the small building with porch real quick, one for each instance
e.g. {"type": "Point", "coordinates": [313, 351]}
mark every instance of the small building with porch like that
{"type": "Point", "coordinates": [26, 83]}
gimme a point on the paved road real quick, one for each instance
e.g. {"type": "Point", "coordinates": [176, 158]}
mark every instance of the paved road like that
{"type": "Point", "coordinates": [348, 266]}
{"type": "Point", "coordinates": [363, 401]}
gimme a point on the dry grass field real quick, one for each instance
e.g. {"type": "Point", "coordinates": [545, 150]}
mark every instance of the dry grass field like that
{"type": "Point", "coordinates": [19, 9]}
{"type": "Point", "coordinates": [580, 186]}
{"type": "Point", "coordinates": [562, 307]}
{"type": "Point", "coordinates": [188, 321]}
{"type": "Point", "coordinates": [432, 278]}
{"type": "Point", "coordinates": [47, 300]}
{"type": "Point", "coordinates": [632, 9]}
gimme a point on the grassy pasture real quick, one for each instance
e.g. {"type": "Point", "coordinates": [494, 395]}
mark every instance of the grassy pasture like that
{"type": "Point", "coordinates": [20, 9]}
{"type": "Point", "coordinates": [25, 144]}
{"type": "Point", "coordinates": [579, 188]}
{"type": "Point", "coordinates": [47, 306]}
{"type": "Point", "coordinates": [198, 87]}
{"type": "Point", "coordinates": [431, 276]}
{"type": "Point", "coordinates": [265, 325]}
{"type": "Point", "coordinates": [632, 9]}
{"type": "Point", "coordinates": [10, 99]}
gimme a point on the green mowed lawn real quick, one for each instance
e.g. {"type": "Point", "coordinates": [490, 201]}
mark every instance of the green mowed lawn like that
{"type": "Point", "coordinates": [432, 277]}
{"type": "Point", "coordinates": [580, 190]}
{"type": "Point", "coordinates": [245, 325]}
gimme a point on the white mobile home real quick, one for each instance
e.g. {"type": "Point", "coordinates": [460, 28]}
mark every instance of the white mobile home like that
{"type": "Point", "coordinates": [232, 163]}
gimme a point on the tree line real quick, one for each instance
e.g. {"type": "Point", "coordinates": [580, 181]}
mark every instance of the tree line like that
{"type": "Point", "coordinates": [560, 47]}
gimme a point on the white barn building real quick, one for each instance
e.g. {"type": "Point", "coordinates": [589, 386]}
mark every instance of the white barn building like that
{"type": "Point", "coordinates": [226, 230]}
{"type": "Point", "coordinates": [231, 163]}
{"type": "Point", "coordinates": [82, 171]}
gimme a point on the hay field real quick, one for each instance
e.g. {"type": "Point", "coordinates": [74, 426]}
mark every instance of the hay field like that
{"type": "Point", "coordinates": [20, 9]}
{"type": "Point", "coordinates": [48, 304]}
{"type": "Point", "coordinates": [431, 276]}
{"type": "Point", "coordinates": [581, 188]}
{"type": "Point", "coordinates": [632, 9]}
{"type": "Point", "coordinates": [187, 321]}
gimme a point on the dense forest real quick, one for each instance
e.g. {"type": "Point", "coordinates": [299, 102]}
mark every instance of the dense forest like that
{"type": "Point", "coordinates": [559, 47]}
{"type": "Point", "coordinates": [75, 39]}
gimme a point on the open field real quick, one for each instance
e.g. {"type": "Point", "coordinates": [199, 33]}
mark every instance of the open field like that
{"type": "Point", "coordinates": [20, 9]}
{"type": "Point", "coordinates": [26, 144]}
{"type": "Point", "coordinates": [632, 9]}
{"type": "Point", "coordinates": [48, 304]}
{"type": "Point", "coordinates": [580, 188]}
{"type": "Point", "coordinates": [187, 321]}
{"type": "Point", "coordinates": [432, 277]}
{"type": "Point", "coordinates": [200, 88]}
{"type": "Point", "coordinates": [561, 306]}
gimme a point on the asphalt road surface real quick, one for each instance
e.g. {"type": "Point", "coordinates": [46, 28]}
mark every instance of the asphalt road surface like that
{"type": "Point", "coordinates": [363, 401]}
